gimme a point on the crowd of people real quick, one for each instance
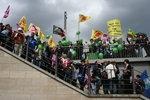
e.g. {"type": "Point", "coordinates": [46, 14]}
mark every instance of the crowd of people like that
{"type": "Point", "coordinates": [85, 75]}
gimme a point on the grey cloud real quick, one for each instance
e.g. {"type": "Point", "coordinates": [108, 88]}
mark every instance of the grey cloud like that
{"type": "Point", "coordinates": [45, 13]}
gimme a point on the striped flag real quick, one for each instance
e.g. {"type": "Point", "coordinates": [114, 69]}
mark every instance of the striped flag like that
{"type": "Point", "coordinates": [7, 12]}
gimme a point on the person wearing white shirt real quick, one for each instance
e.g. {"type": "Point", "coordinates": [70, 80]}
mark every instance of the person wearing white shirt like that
{"type": "Point", "coordinates": [110, 69]}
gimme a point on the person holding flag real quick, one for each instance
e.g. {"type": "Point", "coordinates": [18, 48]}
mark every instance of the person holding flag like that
{"type": "Point", "coordinates": [19, 39]}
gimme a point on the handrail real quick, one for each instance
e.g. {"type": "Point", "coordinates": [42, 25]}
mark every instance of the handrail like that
{"type": "Point", "coordinates": [74, 88]}
{"type": "Point", "coordinates": [64, 75]}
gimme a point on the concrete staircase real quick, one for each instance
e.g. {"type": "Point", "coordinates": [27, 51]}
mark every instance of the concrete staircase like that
{"type": "Point", "coordinates": [21, 80]}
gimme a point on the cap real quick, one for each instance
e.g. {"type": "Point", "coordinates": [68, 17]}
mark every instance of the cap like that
{"type": "Point", "coordinates": [19, 29]}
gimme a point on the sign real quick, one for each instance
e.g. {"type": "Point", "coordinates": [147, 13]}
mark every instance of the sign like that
{"type": "Point", "coordinates": [114, 27]}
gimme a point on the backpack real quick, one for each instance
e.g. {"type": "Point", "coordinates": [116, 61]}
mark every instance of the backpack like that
{"type": "Point", "coordinates": [104, 75]}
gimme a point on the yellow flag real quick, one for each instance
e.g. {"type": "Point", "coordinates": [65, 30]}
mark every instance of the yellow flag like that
{"type": "Point", "coordinates": [83, 18]}
{"type": "Point", "coordinates": [96, 34]}
{"type": "Point", "coordinates": [131, 33]}
{"type": "Point", "coordinates": [41, 36]}
{"type": "Point", "coordinates": [23, 23]}
{"type": "Point", "coordinates": [51, 42]}
{"type": "Point", "coordinates": [114, 27]}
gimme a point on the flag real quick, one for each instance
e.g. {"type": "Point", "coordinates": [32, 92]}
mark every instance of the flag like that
{"type": "Point", "coordinates": [114, 27]}
{"type": "Point", "coordinates": [6, 14]}
{"type": "Point", "coordinates": [23, 23]}
{"type": "Point", "coordinates": [83, 18]}
{"type": "Point", "coordinates": [144, 75]}
{"type": "Point", "coordinates": [96, 34]}
{"type": "Point", "coordinates": [51, 42]}
{"type": "Point", "coordinates": [33, 29]}
{"type": "Point", "coordinates": [37, 30]}
{"type": "Point", "coordinates": [146, 79]}
{"type": "Point", "coordinates": [59, 31]}
{"type": "Point", "coordinates": [41, 35]}
{"type": "Point", "coordinates": [131, 33]}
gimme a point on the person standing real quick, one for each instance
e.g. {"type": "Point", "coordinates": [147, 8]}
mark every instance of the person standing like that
{"type": "Point", "coordinates": [110, 69]}
{"type": "Point", "coordinates": [126, 76]}
{"type": "Point", "coordinates": [139, 85]}
{"type": "Point", "coordinates": [19, 39]}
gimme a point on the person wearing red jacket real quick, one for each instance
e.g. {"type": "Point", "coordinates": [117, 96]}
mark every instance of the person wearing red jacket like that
{"type": "Point", "coordinates": [19, 39]}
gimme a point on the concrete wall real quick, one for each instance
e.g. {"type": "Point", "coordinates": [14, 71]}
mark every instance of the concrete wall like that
{"type": "Point", "coordinates": [19, 81]}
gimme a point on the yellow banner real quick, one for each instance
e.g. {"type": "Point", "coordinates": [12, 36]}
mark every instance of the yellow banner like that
{"type": "Point", "coordinates": [114, 27]}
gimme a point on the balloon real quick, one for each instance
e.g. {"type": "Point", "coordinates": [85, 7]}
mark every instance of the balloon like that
{"type": "Point", "coordinates": [120, 47]}
{"type": "Point", "coordinates": [115, 50]}
{"type": "Point", "coordinates": [116, 44]}
{"type": "Point", "coordinates": [100, 42]}
{"type": "Point", "coordinates": [47, 36]}
{"type": "Point", "coordinates": [73, 53]}
{"type": "Point", "coordinates": [100, 55]}
{"type": "Point", "coordinates": [65, 42]}
{"type": "Point", "coordinates": [40, 47]}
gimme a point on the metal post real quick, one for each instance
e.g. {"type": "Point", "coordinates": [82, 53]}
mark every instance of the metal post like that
{"type": "Point", "coordinates": [56, 65]}
{"type": "Point", "coordinates": [65, 22]}
{"type": "Point", "coordinates": [78, 33]}
{"type": "Point", "coordinates": [133, 81]}
{"type": "Point", "coordinates": [27, 48]}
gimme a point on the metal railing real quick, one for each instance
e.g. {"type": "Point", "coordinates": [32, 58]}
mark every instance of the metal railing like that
{"type": "Point", "coordinates": [79, 77]}
{"type": "Point", "coordinates": [106, 51]}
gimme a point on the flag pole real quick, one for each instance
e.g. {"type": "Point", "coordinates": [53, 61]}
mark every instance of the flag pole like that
{"type": "Point", "coordinates": [78, 33]}
{"type": "Point", "coordinates": [65, 22]}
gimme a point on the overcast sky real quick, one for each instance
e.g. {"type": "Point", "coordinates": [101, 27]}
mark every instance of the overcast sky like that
{"type": "Point", "coordinates": [133, 14]}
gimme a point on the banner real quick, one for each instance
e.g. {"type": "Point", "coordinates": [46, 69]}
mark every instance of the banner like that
{"type": "Point", "coordinates": [114, 27]}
